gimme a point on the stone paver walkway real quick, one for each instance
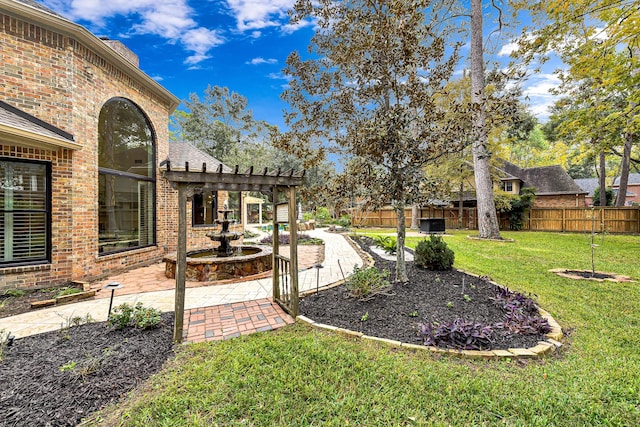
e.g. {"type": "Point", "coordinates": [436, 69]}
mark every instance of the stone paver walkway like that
{"type": "Point", "coordinates": [340, 259]}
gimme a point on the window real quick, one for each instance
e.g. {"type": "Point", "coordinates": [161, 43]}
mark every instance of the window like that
{"type": "Point", "coordinates": [126, 180]}
{"type": "Point", "coordinates": [24, 212]}
{"type": "Point", "coordinates": [508, 186]}
{"type": "Point", "coordinates": [205, 208]}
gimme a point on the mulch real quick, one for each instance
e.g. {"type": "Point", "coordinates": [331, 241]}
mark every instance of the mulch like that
{"type": "Point", "coordinates": [58, 378]}
{"type": "Point", "coordinates": [429, 296]}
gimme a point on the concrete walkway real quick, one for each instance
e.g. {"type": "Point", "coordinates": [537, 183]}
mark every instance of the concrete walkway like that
{"type": "Point", "coordinates": [340, 258]}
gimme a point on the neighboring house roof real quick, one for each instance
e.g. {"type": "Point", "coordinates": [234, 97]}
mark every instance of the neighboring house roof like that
{"type": "Point", "coordinates": [634, 179]}
{"type": "Point", "coordinates": [17, 125]}
{"type": "Point", "coordinates": [182, 152]}
{"type": "Point", "coordinates": [587, 184]}
{"type": "Point", "coordinates": [547, 180]}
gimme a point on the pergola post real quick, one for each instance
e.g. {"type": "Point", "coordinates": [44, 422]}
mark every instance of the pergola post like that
{"type": "Point", "coordinates": [293, 251]}
{"type": "Point", "coordinates": [275, 247]}
{"type": "Point", "coordinates": [181, 263]}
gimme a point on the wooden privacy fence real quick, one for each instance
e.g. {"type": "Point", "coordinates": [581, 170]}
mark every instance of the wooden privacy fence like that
{"type": "Point", "coordinates": [625, 220]}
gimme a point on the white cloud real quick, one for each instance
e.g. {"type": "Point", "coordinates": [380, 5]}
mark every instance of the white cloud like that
{"type": "Point", "coordinates": [537, 90]}
{"type": "Point", "coordinates": [258, 14]}
{"type": "Point", "coordinates": [508, 48]}
{"type": "Point", "coordinates": [278, 76]}
{"type": "Point", "coordinates": [169, 19]}
{"type": "Point", "coordinates": [259, 60]}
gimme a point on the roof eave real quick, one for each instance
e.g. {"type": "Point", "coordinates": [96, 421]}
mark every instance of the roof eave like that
{"type": "Point", "coordinates": [34, 139]}
{"type": "Point", "coordinates": [83, 35]}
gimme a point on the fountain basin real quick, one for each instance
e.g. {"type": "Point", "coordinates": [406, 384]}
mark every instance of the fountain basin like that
{"type": "Point", "coordinates": [204, 265]}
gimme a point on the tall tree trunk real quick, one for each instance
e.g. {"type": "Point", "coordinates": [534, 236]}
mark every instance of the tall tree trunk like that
{"type": "Point", "coordinates": [602, 179]}
{"type": "Point", "coordinates": [460, 203]}
{"type": "Point", "coordinates": [621, 198]}
{"type": "Point", "coordinates": [415, 209]}
{"type": "Point", "coordinates": [401, 268]}
{"type": "Point", "coordinates": [487, 217]}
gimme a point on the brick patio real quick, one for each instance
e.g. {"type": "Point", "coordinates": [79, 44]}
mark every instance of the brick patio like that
{"type": "Point", "coordinates": [226, 321]}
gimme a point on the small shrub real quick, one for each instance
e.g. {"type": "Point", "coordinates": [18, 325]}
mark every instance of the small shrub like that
{"type": "Point", "coordinates": [69, 366]}
{"type": "Point", "coordinates": [367, 282]}
{"type": "Point", "coordinates": [249, 234]}
{"type": "Point", "coordinates": [5, 340]}
{"type": "Point", "coordinates": [434, 254]}
{"type": "Point", "coordinates": [344, 221]}
{"type": "Point", "coordinates": [285, 239]}
{"type": "Point", "coordinates": [387, 243]}
{"type": "Point", "coordinates": [139, 316]}
{"type": "Point", "coordinates": [16, 293]}
{"type": "Point", "coordinates": [68, 291]}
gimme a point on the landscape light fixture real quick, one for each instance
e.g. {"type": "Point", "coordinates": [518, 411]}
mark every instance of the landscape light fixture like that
{"type": "Point", "coordinates": [318, 267]}
{"type": "Point", "coordinates": [113, 286]}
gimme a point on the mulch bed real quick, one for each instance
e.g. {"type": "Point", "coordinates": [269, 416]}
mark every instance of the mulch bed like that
{"type": "Point", "coordinates": [13, 305]}
{"type": "Point", "coordinates": [58, 378]}
{"type": "Point", "coordinates": [429, 296]}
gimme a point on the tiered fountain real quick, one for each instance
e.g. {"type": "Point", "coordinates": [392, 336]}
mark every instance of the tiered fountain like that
{"type": "Point", "coordinates": [225, 261]}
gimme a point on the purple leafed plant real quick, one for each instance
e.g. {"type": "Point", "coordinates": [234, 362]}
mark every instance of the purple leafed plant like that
{"type": "Point", "coordinates": [511, 301]}
{"type": "Point", "coordinates": [521, 318]}
{"type": "Point", "coordinates": [457, 334]}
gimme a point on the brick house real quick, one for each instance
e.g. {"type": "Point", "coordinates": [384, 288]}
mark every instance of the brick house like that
{"type": "Point", "coordinates": [633, 189]}
{"type": "Point", "coordinates": [82, 133]}
{"type": "Point", "coordinates": [554, 187]}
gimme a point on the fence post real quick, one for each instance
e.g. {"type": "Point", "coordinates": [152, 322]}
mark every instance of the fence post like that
{"type": "Point", "coordinates": [564, 219]}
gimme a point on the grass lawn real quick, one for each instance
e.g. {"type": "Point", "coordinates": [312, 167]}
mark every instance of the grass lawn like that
{"type": "Point", "coordinates": [298, 376]}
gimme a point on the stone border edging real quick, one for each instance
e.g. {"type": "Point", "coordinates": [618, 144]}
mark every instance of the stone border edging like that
{"type": "Point", "coordinates": [541, 349]}
{"type": "Point", "coordinates": [617, 278]}
{"type": "Point", "coordinates": [469, 237]}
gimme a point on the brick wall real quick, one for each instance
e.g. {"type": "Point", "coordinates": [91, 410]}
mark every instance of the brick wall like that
{"type": "Point", "coordinates": [559, 201]}
{"type": "Point", "coordinates": [58, 80]}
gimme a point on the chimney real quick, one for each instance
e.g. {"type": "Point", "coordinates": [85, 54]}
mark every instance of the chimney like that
{"type": "Point", "coordinates": [122, 50]}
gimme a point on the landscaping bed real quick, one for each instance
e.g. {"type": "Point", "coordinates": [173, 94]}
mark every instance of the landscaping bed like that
{"type": "Point", "coordinates": [430, 297]}
{"type": "Point", "coordinates": [58, 378]}
{"type": "Point", "coordinates": [17, 301]}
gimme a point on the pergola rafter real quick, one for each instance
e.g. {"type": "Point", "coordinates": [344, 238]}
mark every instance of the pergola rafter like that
{"type": "Point", "coordinates": [188, 183]}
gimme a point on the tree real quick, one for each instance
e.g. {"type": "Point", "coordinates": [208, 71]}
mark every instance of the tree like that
{"type": "Point", "coordinates": [222, 125]}
{"type": "Point", "coordinates": [608, 197]}
{"type": "Point", "coordinates": [368, 91]}
{"type": "Point", "coordinates": [487, 218]}
{"type": "Point", "coordinates": [599, 41]}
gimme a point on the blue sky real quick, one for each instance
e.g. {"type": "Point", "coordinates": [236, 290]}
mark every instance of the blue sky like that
{"type": "Point", "coordinates": [241, 44]}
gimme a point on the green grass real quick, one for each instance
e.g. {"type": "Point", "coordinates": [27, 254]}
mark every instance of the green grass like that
{"type": "Point", "coordinates": [298, 376]}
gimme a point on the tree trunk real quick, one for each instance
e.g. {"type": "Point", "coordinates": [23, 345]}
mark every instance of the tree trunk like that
{"type": "Point", "coordinates": [602, 179]}
{"type": "Point", "coordinates": [621, 198]}
{"type": "Point", "coordinates": [415, 209]}
{"type": "Point", "coordinates": [401, 268]}
{"type": "Point", "coordinates": [460, 205]}
{"type": "Point", "coordinates": [487, 218]}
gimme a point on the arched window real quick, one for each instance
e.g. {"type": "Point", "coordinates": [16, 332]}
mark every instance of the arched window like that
{"type": "Point", "coordinates": [126, 181]}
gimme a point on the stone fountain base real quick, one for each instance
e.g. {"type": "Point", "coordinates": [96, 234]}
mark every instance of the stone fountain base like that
{"type": "Point", "coordinates": [204, 265]}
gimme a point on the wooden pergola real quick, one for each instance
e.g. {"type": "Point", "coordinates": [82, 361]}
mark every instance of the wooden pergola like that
{"type": "Point", "coordinates": [271, 183]}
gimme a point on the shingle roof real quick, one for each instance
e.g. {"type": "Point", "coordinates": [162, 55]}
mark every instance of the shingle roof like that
{"type": "Point", "coordinates": [587, 184]}
{"type": "Point", "coordinates": [546, 180]}
{"type": "Point", "coordinates": [18, 119]}
{"type": "Point", "coordinates": [182, 152]}
{"type": "Point", "coordinates": [634, 178]}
